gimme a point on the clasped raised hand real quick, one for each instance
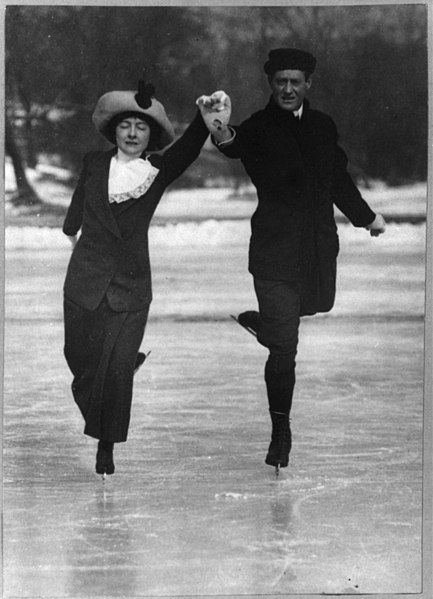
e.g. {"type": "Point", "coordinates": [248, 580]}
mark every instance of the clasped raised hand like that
{"type": "Point", "coordinates": [215, 110]}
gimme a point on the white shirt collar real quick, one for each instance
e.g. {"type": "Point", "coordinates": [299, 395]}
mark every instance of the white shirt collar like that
{"type": "Point", "coordinates": [298, 113]}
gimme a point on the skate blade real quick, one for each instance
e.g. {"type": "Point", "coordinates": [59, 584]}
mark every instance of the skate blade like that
{"type": "Point", "coordinates": [277, 471]}
{"type": "Point", "coordinates": [250, 331]}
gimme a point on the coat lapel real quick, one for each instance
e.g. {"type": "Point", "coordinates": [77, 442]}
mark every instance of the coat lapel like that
{"type": "Point", "coordinates": [99, 193]}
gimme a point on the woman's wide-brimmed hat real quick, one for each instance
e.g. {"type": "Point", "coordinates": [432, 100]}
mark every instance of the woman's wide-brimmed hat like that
{"type": "Point", "coordinates": [115, 103]}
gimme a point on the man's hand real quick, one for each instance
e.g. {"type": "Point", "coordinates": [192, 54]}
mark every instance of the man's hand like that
{"type": "Point", "coordinates": [216, 110]}
{"type": "Point", "coordinates": [377, 227]}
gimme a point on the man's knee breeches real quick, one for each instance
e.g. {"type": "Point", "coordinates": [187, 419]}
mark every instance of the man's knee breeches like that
{"type": "Point", "coordinates": [279, 307]}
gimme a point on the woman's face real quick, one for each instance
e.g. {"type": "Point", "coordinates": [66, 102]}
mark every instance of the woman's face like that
{"type": "Point", "coordinates": [132, 136]}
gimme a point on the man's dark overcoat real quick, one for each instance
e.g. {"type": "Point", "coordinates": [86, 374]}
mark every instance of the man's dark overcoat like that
{"type": "Point", "coordinates": [299, 172]}
{"type": "Point", "coordinates": [108, 284]}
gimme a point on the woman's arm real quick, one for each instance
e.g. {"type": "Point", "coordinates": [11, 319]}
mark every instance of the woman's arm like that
{"type": "Point", "coordinates": [73, 239]}
{"type": "Point", "coordinates": [74, 216]}
{"type": "Point", "coordinates": [185, 150]}
{"type": "Point", "coordinates": [213, 117]}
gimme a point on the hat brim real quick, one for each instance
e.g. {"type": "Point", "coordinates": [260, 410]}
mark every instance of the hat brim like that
{"type": "Point", "coordinates": [113, 103]}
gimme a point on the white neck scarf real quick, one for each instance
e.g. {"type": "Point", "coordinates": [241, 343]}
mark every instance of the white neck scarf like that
{"type": "Point", "coordinates": [129, 178]}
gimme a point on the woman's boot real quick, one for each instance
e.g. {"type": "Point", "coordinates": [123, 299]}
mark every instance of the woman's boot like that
{"type": "Point", "coordinates": [104, 458]}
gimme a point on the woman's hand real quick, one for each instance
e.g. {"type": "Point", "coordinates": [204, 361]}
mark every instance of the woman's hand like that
{"type": "Point", "coordinates": [73, 239]}
{"type": "Point", "coordinates": [216, 110]}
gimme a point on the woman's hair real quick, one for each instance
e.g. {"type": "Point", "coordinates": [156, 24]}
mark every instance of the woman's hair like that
{"type": "Point", "coordinates": [155, 129]}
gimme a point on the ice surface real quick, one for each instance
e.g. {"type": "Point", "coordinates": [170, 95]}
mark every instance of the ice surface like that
{"type": "Point", "coordinates": [192, 509]}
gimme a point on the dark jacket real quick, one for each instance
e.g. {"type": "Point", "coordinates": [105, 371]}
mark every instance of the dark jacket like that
{"type": "Point", "coordinates": [112, 255]}
{"type": "Point", "coordinates": [299, 172]}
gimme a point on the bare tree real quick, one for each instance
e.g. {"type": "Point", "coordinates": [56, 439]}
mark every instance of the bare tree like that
{"type": "Point", "coordinates": [24, 194]}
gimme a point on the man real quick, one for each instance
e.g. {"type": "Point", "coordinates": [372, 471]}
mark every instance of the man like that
{"type": "Point", "coordinates": [291, 154]}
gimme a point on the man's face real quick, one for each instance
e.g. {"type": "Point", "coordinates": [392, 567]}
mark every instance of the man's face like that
{"type": "Point", "coordinates": [132, 136]}
{"type": "Point", "coordinates": [289, 88]}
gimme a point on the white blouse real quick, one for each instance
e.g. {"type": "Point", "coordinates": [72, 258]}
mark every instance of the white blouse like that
{"type": "Point", "coordinates": [129, 178]}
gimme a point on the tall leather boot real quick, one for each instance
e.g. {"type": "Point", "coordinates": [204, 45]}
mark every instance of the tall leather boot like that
{"type": "Point", "coordinates": [281, 441]}
{"type": "Point", "coordinates": [280, 382]}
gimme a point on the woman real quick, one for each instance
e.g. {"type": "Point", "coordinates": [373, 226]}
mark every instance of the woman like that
{"type": "Point", "coordinates": [107, 291]}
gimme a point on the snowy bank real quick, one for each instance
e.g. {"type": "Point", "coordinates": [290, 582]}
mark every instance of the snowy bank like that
{"type": "Point", "coordinates": [52, 185]}
{"type": "Point", "coordinates": [213, 233]}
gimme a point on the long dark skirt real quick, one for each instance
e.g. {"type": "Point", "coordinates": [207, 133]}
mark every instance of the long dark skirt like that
{"type": "Point", "coordinates": [101, 348]}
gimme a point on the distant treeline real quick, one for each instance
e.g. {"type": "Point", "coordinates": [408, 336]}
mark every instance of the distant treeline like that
{"type": "Point", "coordinates": [371, 75]}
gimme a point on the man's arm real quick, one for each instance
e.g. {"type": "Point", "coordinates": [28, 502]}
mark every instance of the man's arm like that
{"type": "Point", "coordinates": [348, 199]}
{"type": "Point", "coordinates": [377, 227]}
{"type": "Point", "coordinates": [224, 137]}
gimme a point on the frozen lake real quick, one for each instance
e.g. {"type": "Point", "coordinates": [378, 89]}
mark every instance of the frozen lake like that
{"type": "Point", "coordinates": [192, 509]}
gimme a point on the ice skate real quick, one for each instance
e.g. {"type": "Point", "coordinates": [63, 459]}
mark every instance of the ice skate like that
{"type": "Point", "coordinates": [249, 320]}
{"type": "Point", "coordinates": [281, 442]}
{"type": "Point", "coordinates": [141, 357]}
{"type": "Point", "coordinates": [104, 459]}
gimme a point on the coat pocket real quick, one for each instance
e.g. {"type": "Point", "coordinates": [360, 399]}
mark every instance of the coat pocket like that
{"type": "Point", "coordinates": [319, 282]}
